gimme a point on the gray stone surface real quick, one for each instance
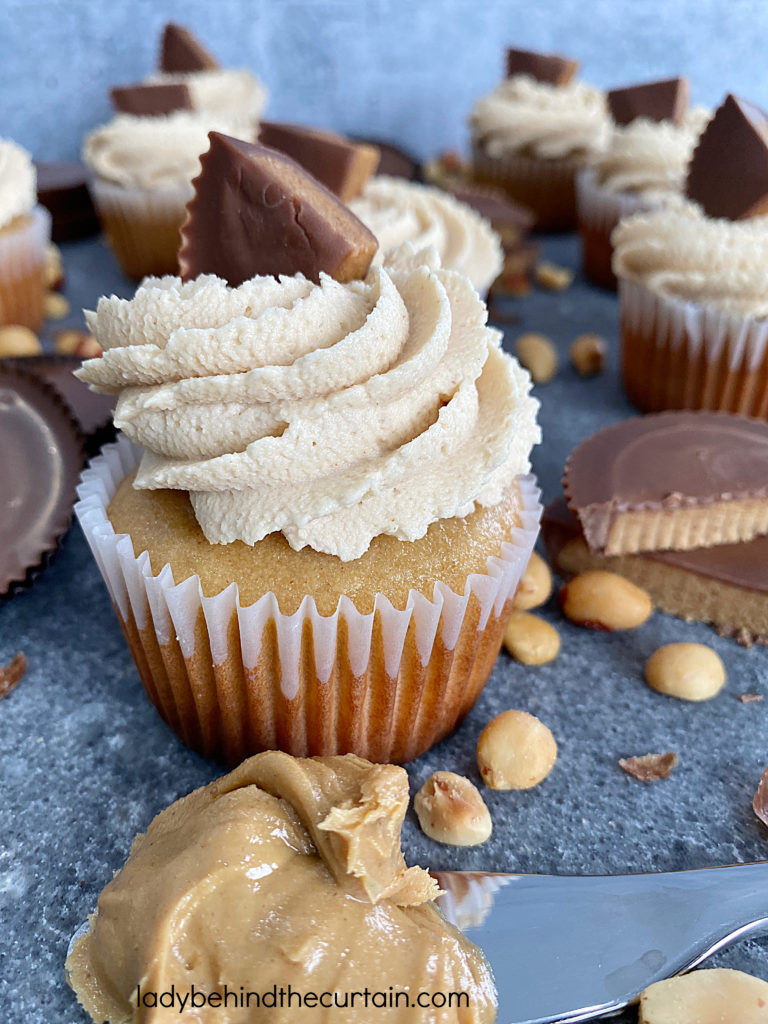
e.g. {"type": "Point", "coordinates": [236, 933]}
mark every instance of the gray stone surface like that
{"type": "Point", "coordinates": [85, 762]}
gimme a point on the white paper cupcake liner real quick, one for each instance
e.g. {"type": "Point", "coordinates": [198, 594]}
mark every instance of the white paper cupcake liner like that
{"type": "Point", "coordinates": [682, 355]}
{"type": "Point", "coordinates": [22, 270]}
{"type": "Point", "coordinates": [142, 225]}
{"type": "Point", "coordinates": [233, 679]}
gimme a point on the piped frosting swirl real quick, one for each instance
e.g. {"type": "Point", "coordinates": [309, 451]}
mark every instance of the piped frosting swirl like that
{"type": "Point", "coordinates": [18, 182]}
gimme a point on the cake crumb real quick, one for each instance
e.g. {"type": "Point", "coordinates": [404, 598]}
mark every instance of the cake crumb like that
{"type": "Point", "coordinates": [750, 698]}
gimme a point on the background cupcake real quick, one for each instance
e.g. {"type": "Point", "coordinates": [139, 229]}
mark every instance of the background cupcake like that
{"type": "Point", "coordinates": [645, 161]}
{"type": "Point", "coordinates": [693, 278]}
{"type": "Point", "coordinates": [25, 230]}
{"type": "Point", "coordinates": [331, 506]}
{"type": "Point", "coordinates": [535, 131]}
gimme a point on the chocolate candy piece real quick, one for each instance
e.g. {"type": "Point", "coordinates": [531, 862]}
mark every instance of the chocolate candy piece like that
{"type": "Point", "coordinates": [181, 53]}
{"type": "Point", "coordinates": [40, 459]}
{"type": "Point", "coordinates": [506, 216]}
{"type": "Point", "coordinates": [728, 172]}
{"type": "Point", "coordinates": [544, 67]}
{"type": "Point", "coordinates": [342, 166]}
{"type": "Point", "coordinates": [666, 100]}
{"type": "Point", "coordinates": [257, 212]}
{"type": "Point", "coordinates": [62, 188]}
{"type": "Point", "coordinates": [151, 100]}
{"type": "Point", "coordinates": [674, 480]}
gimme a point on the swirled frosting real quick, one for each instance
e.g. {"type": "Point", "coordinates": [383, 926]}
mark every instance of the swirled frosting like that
{"type": "Point", "coordinates": [285, 872]}
{"type": "Point", "coordinates": [523, 115]}
{"type": "Point", "coordinates": [152, 152]}
{"type": "Point", "coordinates": [650, 157]}
{"type": "Point", "coordinates": [18, 182]}
{"type": "Point", "coordinates": [234, 94]}
{"type": "Point", "coordinates": [679, 252]}
{"type": "Point", "coordinates": [333, 413]}
{"type": "Point", "coordinates": [398, 211]}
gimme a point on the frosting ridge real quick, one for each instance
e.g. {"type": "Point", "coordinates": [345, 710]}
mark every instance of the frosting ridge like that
{"type": "Point", "coordinates": [18, 182]}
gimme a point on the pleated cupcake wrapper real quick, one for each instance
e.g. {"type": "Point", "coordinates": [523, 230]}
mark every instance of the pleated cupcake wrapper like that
{"type": "Point", "coordinates": [600, 208]}
{"type": "Point", "coordinates": [683, 355]}
{"type": "Point", "coordinates": [22, 270]}
{"type": "Point", "coordinates": [231, 680]}
{"type": "Point", "coordinates": [546, 186]}
{"type": "Point", "coordinates": [142, 225]}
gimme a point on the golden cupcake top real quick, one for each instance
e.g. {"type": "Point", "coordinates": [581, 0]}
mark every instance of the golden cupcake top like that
{"type": "Point", "coordinates": [18, 182]}
{"type": "Point", "coordinates": [286, 872]}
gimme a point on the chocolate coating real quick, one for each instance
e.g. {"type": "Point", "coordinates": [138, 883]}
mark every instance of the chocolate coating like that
{"type": "Point", "coordinates": [40, 459]}
{"type": "Point", "coordinates": [257, 212]}
{"type": "Point", "coordinates": [544, 67]}
{"type": "Point", "coordinates": [151, 100]}
{"type": "Point", "coordinates": [181, 53]}
{"type": "Point", "coordinates": [728, 172]}
{"type": "Point", "coordinates": [62, 188]}
{"type": "Point", "coordinates": [665, 100]}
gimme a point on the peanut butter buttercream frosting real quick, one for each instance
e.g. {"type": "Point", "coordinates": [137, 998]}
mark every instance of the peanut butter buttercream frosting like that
{"type": "Point", "coordinates": [522, 115]}
{"type": "Point", "coordinates": [152, 152]}
{"type": "Point", "coordinates": [286, 872]}
{"type": "Point", "coordinates": [679, 252]}
{"type": "Point", "coordinates": [650, 157]}
{"type": "Point", "coordinates": [333, 413]}
{"type": "Point", "coordinates": [398, 211]}
{"type": "Point", "coordinates": [18, 182]}
{"type": "Point", "coordinates": [225, 93]}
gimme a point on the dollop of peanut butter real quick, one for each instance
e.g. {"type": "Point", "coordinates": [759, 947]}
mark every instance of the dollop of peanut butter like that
{"type": "Point", "coordinates": [286, 874]}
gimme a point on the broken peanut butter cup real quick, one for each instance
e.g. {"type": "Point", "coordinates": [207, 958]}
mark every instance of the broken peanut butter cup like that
{"type": "Point", "coordinates": [544, 67]}
{"type": "Point", "coordinates": [728, 172]}
{"type": "Point", "coordinates": [341, 165]}
{"type": "Point", "coordinates": [181, 53]}
{"type": "Point", "coordinates": [665, 100]}
{"type": "Point", "coordinates": [151, 100]}
{"type": "Point", "coordinates": [256, 212]}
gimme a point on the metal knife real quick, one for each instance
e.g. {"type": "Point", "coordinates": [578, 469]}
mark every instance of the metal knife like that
{"type": "Point", "coordinates": [578, 948]}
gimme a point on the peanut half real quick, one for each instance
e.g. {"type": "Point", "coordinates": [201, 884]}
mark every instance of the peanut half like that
{"type": "Point", "coordinates": [530, 639]}
{"type": "Point", "coordinates": [450, 810]}
{"type": "Point", "coordinates": [587, 354]}
{"type": "Point", "coordinates": [515, 751]}
{"type": "Point", "coordinates": [535, 585]}
{"type": "Point", "coordinates": [686, 671]}
{"type": "Point", "coordinates": [603, 600]}
{"type": "Point", "coordinates": [538, 355]}
{"type": "Point", "coordinates": [16, 340]}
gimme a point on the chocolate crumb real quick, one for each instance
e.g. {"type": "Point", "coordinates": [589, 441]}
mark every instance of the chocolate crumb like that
{"type": "Point", "coordinates": [12, 674]}
{"type": "Point", "coordinates": [649, 767]}
{"type": "Point", "coordinates": [750, 698]}
{"type": "Point", "coordinates": [760, 803]}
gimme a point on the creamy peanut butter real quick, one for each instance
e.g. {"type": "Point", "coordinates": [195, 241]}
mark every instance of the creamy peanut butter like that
{"type": "Point", "coordinates": [285, 872]}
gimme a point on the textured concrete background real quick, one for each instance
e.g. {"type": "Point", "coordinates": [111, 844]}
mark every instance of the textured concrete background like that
{"type": "Point", "coordinates": [407, 71]}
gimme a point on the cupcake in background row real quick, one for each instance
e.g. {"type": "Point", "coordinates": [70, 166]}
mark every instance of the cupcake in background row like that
{"type": "Point", "coordinates": [645, 161]}
{"type": "Point", "coordinates": [693, 278]}
{"type": "Point", "coordinates": [25, 231]}
{"type": "Point", "coordinates": [535, 131]}
{"type": "Point", "coordinates": [319, 547]}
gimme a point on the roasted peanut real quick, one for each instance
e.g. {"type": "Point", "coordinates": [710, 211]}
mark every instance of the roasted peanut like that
{"type": "Point", "coordinates": [450, 810]}
{"type": "Point", "coordinates": [549, 275]}
{"type": "Point", "coordinates": [16, 340]}
{"type": "Point", "coordinates": [597, 599]}
{"type": "Point", "coordinates": [56, 306]}
{"type": "Point", "coordinates": [538, 355]}
{"type": "Point", "coordinates": [687, 671]}
{"type": "Point", "coordinates": [74, 342]}
{"type": "Point", "coordinates": [531, 640]}
{"type": "Point", "coordinates": [515, 751]}
{"type": "Point", "coordinates": [535, 585]}
{"type": "Point", "coordinates": [706, 997]}
{"type": "Point", "coordinates": [587, 354]}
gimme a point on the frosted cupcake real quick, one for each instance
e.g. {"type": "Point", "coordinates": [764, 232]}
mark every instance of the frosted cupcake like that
{"type": "Point", "coordinates": [645, 163]}
{"type": "Point", "coordinates": [693, 278]}
{"type": "Point", "coordinates": [25, 230]}
{"type": "Point", "coordinates": [331, 513]}
{"type": "Point", "coordinates": [535, 131]}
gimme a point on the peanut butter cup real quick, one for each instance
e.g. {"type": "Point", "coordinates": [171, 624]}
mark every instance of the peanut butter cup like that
{"type": "Point", "coordinates": [666, 100]}
{"type": "Point", "coordinates": [151, 100]}
{"type": "Point", "coordinates": [544, 67]}
{"type": "Point", "coordinates": [182, 53]}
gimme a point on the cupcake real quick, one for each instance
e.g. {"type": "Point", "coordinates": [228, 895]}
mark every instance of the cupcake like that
{"type": "Point", "coordinates": [25, 230]}
{"type": "Point", "coordinates": [693, 283]}
{"type": "Point", "coordinates": [318, 547]}
{"type": "Point", "coordinates": [277, 887]}
{"type": "Point", "coordinates": [535, 132]}
{"type": "Point", "coordinates": [645, 162]}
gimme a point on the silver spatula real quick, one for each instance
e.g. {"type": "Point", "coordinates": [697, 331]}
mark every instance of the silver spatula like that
{"type": "Point", "coordinates": [574, 948]}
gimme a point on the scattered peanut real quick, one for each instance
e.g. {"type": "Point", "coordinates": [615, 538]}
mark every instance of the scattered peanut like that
{"type": "Point", "coordinates": [16, 340]}
{"type": "Point", "coordinates": [56, 306]}
{"type": "Point", "coordinates": [549, 275]}
{"type": "Point", "coordinates": [687, 671]}
{"type": "Point", "coordinates": [535, 585]}
{"type": "Point", "coordinates": [450, 810]}
{"type": "Point", "coordinates": [597, 599]}
{"type": "Point", "coordinates": [515, 751]}
{"type": "Point", "coordinates": [530, 639]}
{"type": "Point", "coordinates": [54, 269]}
{"type": "Point", "coordinates": [587, 354]}
{"type": "Point", "coordinates": [74, 342]}
{"type": "Point", "coordinates": [706, 997]}
{"type": "Point", "coordinates": [538, 355]}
